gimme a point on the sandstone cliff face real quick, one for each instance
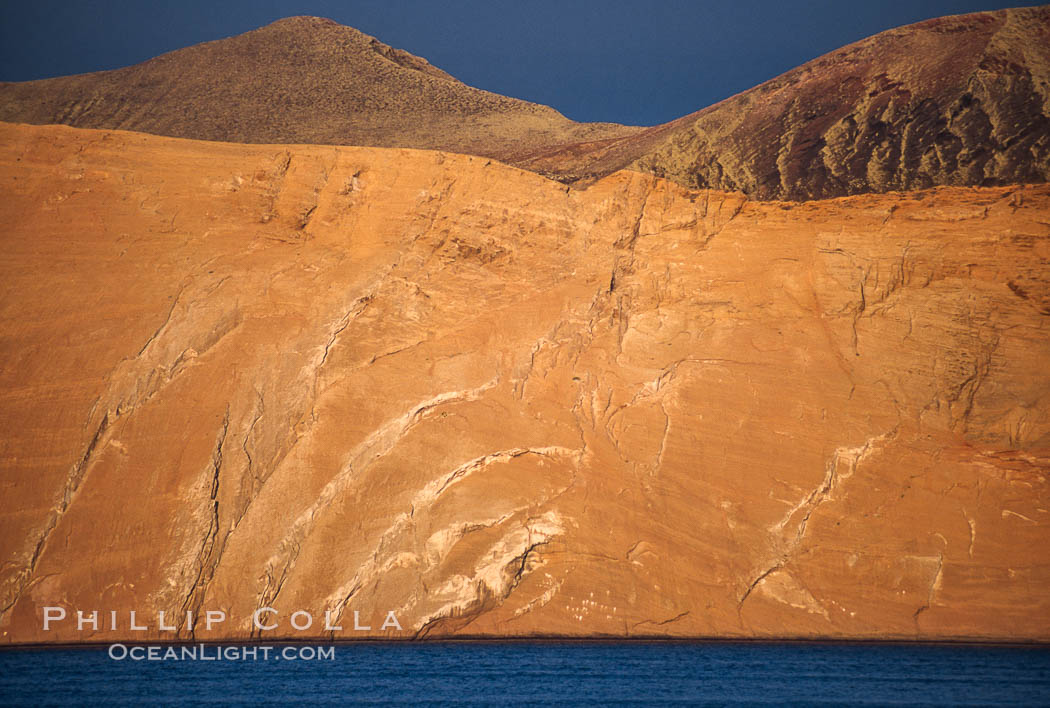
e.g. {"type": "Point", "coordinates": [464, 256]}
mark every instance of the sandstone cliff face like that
{"type": "Point", "coordinates": [299, 80]}
{"type": "Point", "coordinates": [961, 100]}
{"type": "Point", "coordinates": [371, 380]}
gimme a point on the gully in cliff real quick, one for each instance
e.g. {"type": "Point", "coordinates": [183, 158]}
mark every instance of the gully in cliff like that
{"type": "Point", "coordinates": [263, 619]}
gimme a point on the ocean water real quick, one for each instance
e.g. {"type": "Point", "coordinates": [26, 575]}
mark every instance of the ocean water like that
{"type": "Point", "coordinates": [537, 673]}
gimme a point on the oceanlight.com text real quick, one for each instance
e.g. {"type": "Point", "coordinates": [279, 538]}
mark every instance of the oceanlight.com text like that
{"type": "Point", "coordinates": [205, 652]}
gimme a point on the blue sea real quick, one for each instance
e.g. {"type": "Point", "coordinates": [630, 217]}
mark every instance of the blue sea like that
{"type": "Point", "coordinates": [533, 673]}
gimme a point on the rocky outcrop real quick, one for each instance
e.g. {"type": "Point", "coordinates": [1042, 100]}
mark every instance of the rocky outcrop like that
{"type": "Point", "coordinates": [354, 380]}
{"type": "Point", "coordinates": [299, 80]}
{"type": "Point", "coordinates": [961, 100]}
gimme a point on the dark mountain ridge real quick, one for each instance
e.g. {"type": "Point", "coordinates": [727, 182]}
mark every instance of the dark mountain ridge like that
{"type": "Point", "coordinates": [960, 100]}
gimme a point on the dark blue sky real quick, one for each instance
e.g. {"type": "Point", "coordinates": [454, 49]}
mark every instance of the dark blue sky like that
{"type": "Point", "coordinates": [639, 62]}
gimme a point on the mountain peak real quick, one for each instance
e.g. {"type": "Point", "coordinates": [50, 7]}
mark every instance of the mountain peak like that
{"type": "Point", "coordinates": [304, 20]}
{"type": "Point", "coordinates": [326, 32]}
{"type": "Point", "coordinates": [300, 79]}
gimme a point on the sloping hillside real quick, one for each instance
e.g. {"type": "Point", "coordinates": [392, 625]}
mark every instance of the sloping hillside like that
{"type": "Point", "coordinates": [961, 100]}
{"type": "Point", "coordinates": [298, 80]}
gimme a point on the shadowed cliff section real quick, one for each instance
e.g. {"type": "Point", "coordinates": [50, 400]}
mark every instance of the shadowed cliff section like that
{"type": "Point", "coordinates": [961, 100]}
{"type": "Point", "coordinates": [298, 80]}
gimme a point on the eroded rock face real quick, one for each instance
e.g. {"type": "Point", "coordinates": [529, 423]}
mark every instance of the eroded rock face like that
{"type": "Point", "coordinates": [959, 100]}
{"type": "Point", "coordinates": [374, 380]}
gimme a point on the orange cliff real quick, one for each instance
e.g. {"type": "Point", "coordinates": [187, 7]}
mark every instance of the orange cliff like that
{"type": "Point", "coordinates": [364, 380]}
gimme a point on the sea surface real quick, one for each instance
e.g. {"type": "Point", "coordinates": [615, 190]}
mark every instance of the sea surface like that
{"type": "Point", "coordinates": [533, 673]}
